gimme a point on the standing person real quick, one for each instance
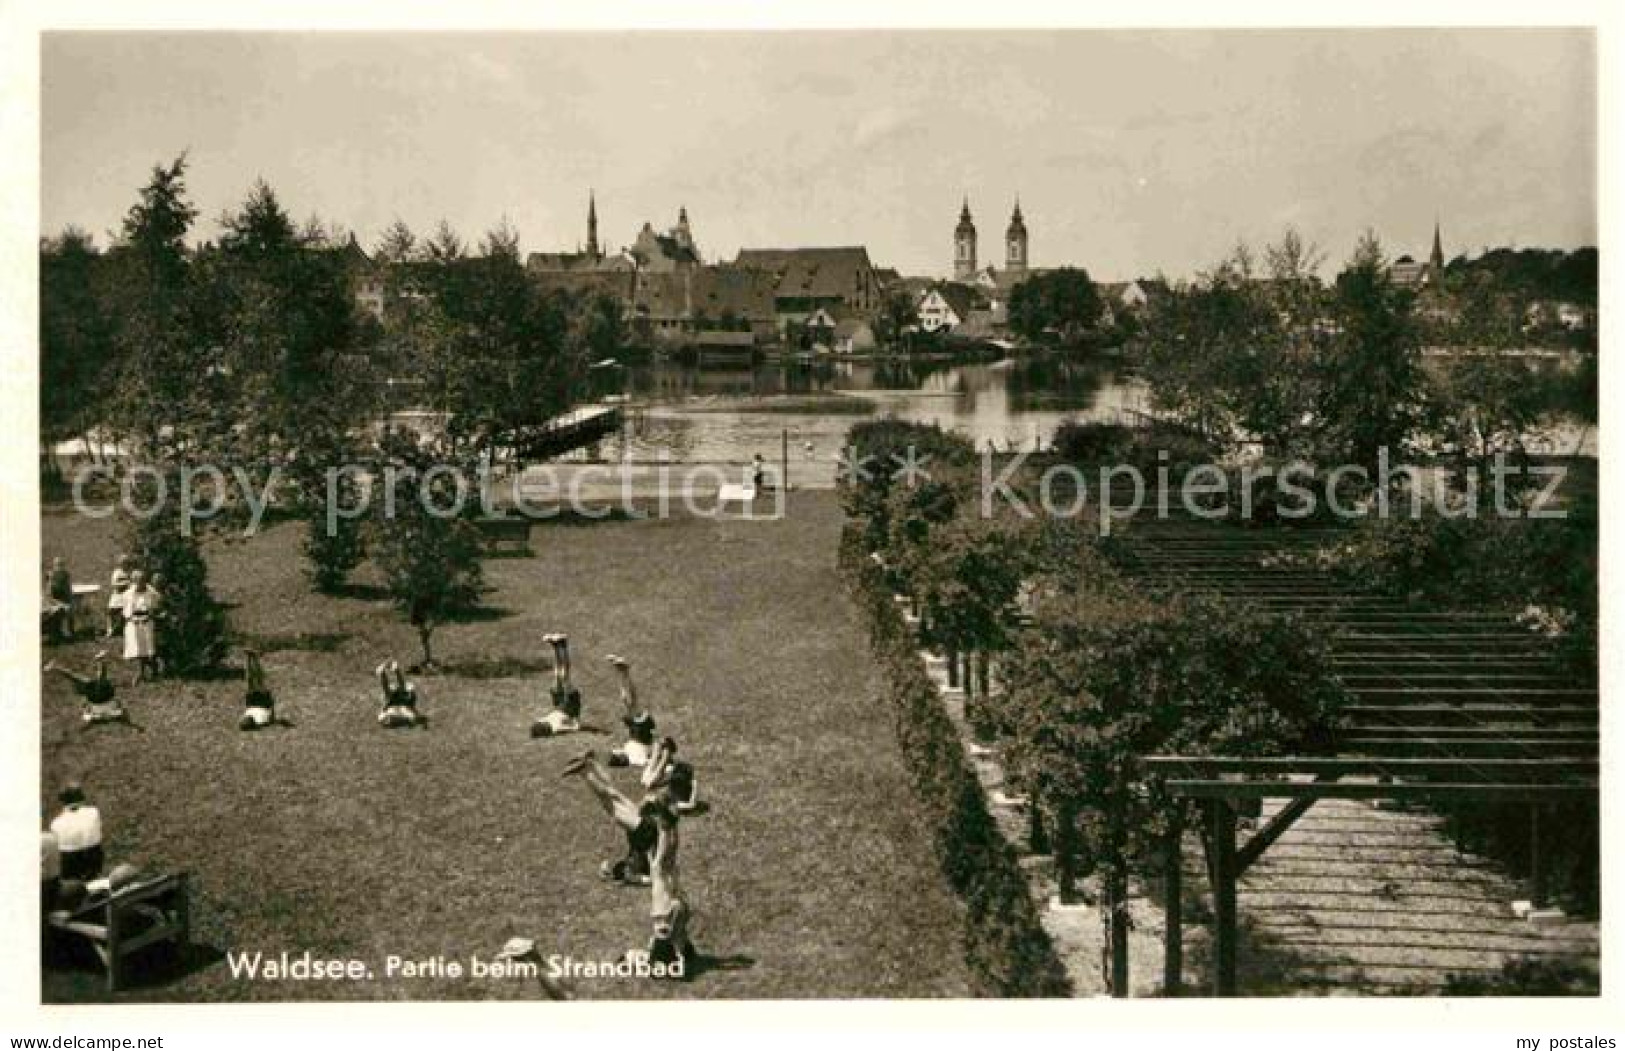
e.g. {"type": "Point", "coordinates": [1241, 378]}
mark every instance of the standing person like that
{"type": "Point", "coordinates": [565, 716]}
{"type": "Point", "coordinates": [640, 725]}
{"type": "Point", "coordinates": [641, 834]}
{"type": "Point", "coordinates": [141, 604]}
{"type": "Point", "coordinates": [163, 619]}
{"type": "Point", "coordinates": [116, 587]}
{"type": "Point", "coordinates": [78, 831]}
{"type": "Point", "coordinates": [669, 944]}
{"type": "Point", "coordinates": [758, 472]}
{"type": "Point", "coordinates": [101, 703]}
{"type": "Point", "coordinates": [59, 592]}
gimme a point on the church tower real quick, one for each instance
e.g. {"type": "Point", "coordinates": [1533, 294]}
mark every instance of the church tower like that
{"type": "Point", "coordinates": [592, 227]}
{"type": "Point", "coordinates": [1436, 260]}
{"type": "Point", "coordinates": [1015, 243]}
{"type": "Point", "coordinates": [685, 236]}
{"type": "Point", "coordinates": [965, 245]}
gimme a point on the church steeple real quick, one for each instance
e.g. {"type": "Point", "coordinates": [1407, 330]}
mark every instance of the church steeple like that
{"type": "Point", "coordinates": [1436, 260]}
{"type": "Point", "coordinates": [592, 225]}
{"type": "Point", "coordinates": [965, 245]}
{"type": "Point", "coordinates": [1015, 242]}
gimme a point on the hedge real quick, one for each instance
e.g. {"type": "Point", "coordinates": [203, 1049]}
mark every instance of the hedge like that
{"type": "Point", "coordinates": [1006, 949]}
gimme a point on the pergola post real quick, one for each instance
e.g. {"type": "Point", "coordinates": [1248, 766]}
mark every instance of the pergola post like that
{"type": "Point", "coordinates": [1222, 833]}
{"type": "Point", "coordinates": [1537, 860]}
{"type": "Point", "coordinates": [1173, 941]}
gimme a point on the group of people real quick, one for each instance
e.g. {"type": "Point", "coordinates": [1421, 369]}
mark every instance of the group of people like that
{"type": "Point", "coordinates": [669, 786]}
{"type": "Point", "coordinates": [670, 789]}
{"type": "Point", "coordinates": [135, 607]}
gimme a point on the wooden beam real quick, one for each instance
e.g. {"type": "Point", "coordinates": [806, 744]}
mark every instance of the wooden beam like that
{"type": "Point", "coordinates": [1222, 832]}
{"type": "Point", "coordinates": [1284, 819]}
{"type": "Point", "coordinates": [1173, 908]}
{"type": "Point", "coordinates": [1486, 791]}
{"type": "Point", "coordinates": [1207, 767]}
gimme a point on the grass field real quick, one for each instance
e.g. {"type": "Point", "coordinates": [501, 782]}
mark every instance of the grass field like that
{"type": "Point", "coordinates": [810, 875]}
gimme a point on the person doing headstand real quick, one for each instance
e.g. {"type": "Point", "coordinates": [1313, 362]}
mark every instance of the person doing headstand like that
{"type": "Point", "coordinates": [101, 703]}
{"type": "Point", "coordinates": [565, 716]}
{"type": "Point", "coordinates": [640, 725]}
{"type": "Point", "coordinates": [259, 707]}
{"type": "Point", "coordinates": [400, 710]}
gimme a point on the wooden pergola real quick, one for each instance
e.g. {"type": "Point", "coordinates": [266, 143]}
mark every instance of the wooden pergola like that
{"type": "Point", "coordinates": [1447, 706]}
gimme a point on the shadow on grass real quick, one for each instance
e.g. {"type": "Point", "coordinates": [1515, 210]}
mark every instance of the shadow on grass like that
{"type": "Point", "coordinates": [362, 592]}
{"type": "Point", "coordinates": [479, 615]}
{"type": "Point", "coordinates": [494, 668]}
{"type": "Point", "coordinates": [704, 963]}
{"type": "Point", "coordinates": [72, 973]}
{"type": "Point", "coordinates": [309, 641]}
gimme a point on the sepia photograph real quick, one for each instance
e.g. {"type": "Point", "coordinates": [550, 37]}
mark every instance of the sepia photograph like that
{"type": "Point", "coordinates": [814, 514]}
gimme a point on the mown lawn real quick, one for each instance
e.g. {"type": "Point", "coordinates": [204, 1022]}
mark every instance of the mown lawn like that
{"type": "Point", "coordinates": [810, 873]}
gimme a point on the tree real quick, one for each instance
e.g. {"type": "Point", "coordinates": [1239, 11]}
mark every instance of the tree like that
{"type": "Point", "coordinates": [287, 390]}
{"type": "Point", "coordinates": [897, 317]}
{"type": "Point", "coordinates": [1061, 305]}
{"type": "Point", "coordinates": [159, 360]}
{"type": "Point", "coordinates": [428, 552]}
{"type": "Point", "coordinates": [397, 244]}
{"type": "Point", "coordinates": [191, 623]}
{"type": "Point", "coordinates": [1371, 383]}
{"type": "Point", "coordinates": [1111, 674]}
{"type": "Point", "coordinates": [76, 336]}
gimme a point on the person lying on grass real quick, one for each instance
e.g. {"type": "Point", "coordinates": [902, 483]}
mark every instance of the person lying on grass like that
{"type": "Point", "coordinates": [640, 725]}
{"type": "Point", "coordinates": [101, 703]}
{"type": "Point", "coordinates": [641, 834]}
{"type": "Point", "coordinates": [259, 707]}
{"type": "Point", "coordinates": [665, 771]}
{"type": "Point", "coordinates": [669, 944]}
{"type": "Point", "coordinates": [400, 709]}
{"type": "Point", "coordinates": [566, 714]}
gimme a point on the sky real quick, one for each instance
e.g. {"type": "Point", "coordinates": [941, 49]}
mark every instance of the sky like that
{"type": "Point", "coordinates": [1133, 153]}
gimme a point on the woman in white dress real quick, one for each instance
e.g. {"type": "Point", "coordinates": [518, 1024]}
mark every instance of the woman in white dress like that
{"type": "Point", "coordinates": [140, 641]}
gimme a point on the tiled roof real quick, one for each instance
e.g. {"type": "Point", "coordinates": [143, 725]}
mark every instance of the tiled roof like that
{"type": "Point", "coordinates": [812, 273]}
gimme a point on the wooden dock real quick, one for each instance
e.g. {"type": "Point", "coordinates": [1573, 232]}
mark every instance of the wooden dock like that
{"type": "Point", "coordinates": [573, 430]}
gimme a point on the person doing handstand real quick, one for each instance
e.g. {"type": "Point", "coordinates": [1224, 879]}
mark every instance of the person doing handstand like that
{"type": "Point", "coordinates": [641, 834]}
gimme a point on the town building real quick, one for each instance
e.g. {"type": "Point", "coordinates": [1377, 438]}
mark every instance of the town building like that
{"type": "Point", "coordinates": [1406, 272]}
{"type": "Point", "coordinates": [806, 279]}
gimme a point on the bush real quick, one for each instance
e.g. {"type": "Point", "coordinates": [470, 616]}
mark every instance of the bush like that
{"type": "Point", "coordinates": [191, 625]}
{"type": "Point", "coordinates": [331, 556]}
{"type": "Point", "coordinates": [1529, 976]}
{"type": "Point", "coordinates": [1148, 449]}
{"type": "Point", "coordinates": [1005, 945]}
{"type": "Point", "coordinates": [1542, 570]}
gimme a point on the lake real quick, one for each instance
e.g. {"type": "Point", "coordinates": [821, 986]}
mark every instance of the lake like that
{"type": "Point", "coordinates": [716, 415]}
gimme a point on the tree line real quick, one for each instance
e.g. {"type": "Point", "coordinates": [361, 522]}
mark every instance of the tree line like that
{"type": "Point", "coordinates": [250, 353]}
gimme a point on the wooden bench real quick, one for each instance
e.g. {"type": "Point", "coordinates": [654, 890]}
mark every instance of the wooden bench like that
{"type": "Point", "coordinates": [505, 535]}
{"type": "Point", "coordinates": [130, 920]}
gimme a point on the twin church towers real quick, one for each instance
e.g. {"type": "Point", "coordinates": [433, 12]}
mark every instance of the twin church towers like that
{"type": "Point", "coordinates": [1015, 244]}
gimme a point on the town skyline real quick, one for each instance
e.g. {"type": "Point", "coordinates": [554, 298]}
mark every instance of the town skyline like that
{"type": "Point", "coordinates": [1236, 136]}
